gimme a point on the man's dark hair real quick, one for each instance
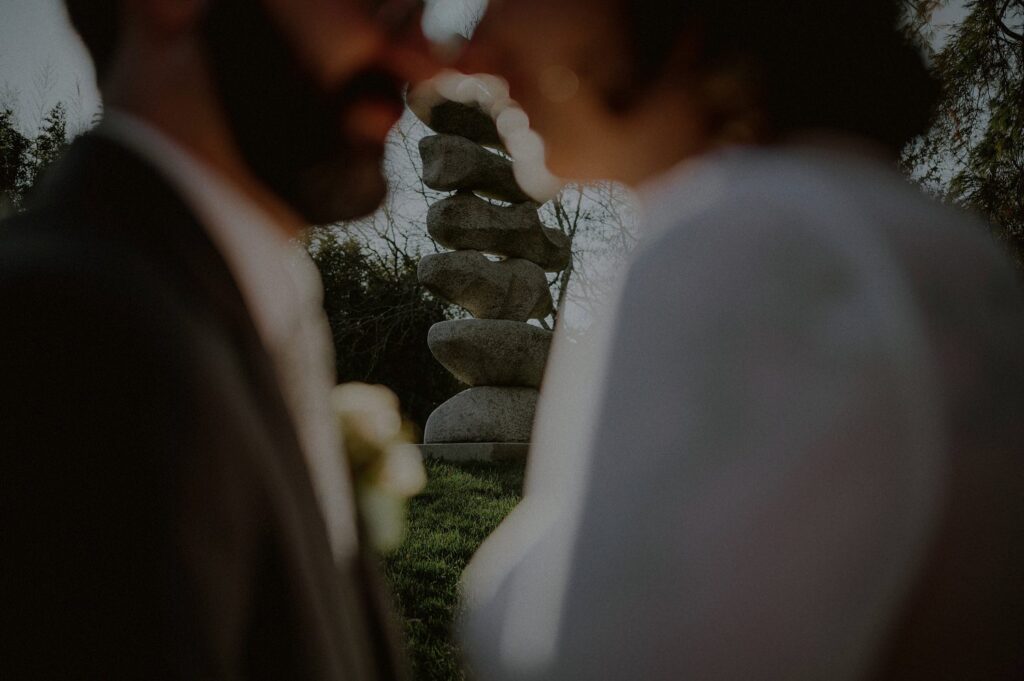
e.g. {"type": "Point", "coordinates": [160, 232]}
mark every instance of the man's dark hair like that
{"type": "Point", "coordinates": [812, 64]}
{"type": "Point", "coordinates": [98, 23]}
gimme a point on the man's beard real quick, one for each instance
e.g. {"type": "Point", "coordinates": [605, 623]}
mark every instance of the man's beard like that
{"type": "Point", "coordinates": [287, 128]}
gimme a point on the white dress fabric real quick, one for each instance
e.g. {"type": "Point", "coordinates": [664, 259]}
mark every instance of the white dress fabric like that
{"type": "Point", "coordinates": [284, 295]}
{"type": "Point", "coordinates": [739, 474]}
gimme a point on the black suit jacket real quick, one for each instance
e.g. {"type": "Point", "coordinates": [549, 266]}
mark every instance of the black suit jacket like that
{"type": "Point", "coordinates": [158, 520]}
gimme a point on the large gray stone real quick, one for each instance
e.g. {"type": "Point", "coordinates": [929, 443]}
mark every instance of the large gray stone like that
{"type": "Point", "coordinates": [491, 352]}
{"type": "Point", "coordinates": [508, 289]}
{"type": "Point", "coordinates": [477, 451]}
{"type": "Point", "coordinates": [467, 121]}
{"type": "Point", "coordinates": [466, 221]}
{"type": "Point", "coordinates": [484, 415]}
{"type": "Point", "coordinates": [451, 163]}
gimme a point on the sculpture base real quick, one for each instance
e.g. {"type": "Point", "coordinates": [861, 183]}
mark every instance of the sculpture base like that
{"type": "Point", "coordinates": [476, 451]}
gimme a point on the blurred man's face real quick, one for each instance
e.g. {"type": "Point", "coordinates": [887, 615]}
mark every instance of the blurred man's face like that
{"type": "Point", "coordinates": [310, 89]}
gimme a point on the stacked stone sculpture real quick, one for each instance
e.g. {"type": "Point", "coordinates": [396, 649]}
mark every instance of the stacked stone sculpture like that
{"type": "Point", "coordinates": [496, 271]}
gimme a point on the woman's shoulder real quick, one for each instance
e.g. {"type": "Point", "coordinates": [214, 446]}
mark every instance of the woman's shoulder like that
{"type": "Point", "coordinates": [740, 210]}
{"type": "Point", "coordinates": [762, 203]}
{"type": "Point", "coordinates": [807, 233]}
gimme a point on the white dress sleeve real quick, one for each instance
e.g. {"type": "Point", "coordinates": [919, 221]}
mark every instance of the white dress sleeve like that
{"type": "Point", "coordinates": [761, 477]}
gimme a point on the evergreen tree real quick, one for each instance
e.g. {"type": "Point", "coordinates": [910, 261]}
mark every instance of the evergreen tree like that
{"type": "Point", "coordinates": [48, 145]}
{"type": "Point", "coordinates": [14, 162]}
{"type": "Point", "coordinates": [23, 159]}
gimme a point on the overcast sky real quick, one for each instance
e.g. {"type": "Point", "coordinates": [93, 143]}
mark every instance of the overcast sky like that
{"type": "Point", "coordinates": [42, 61]}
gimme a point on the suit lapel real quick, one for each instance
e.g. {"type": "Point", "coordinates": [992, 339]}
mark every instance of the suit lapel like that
{"type": "Point", "coordinates": [124, 199]}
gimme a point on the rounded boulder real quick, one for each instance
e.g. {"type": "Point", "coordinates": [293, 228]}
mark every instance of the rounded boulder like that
{"type": "Point", "coordinates": [491, 352]}
{"type": "Point", "coordinates": [484, 415]}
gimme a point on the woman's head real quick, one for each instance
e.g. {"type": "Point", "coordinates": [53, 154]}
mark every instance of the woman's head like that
{"type": "Point", "coordinates": [610, 81]}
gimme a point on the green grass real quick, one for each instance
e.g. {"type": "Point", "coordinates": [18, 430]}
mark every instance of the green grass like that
{"type": "Point", "coordinates": [461, 506]}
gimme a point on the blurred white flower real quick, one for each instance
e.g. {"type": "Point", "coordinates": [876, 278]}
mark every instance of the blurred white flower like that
{"type": "Point", "coordinates": [402, 471]}
{"type": "Point", "coordinates": [384, 518]}
{"type": "Point", "coordinates": [491, 95]}
{"type": "Point", "coordinates": [472, 92]}
{"type": "Point", "coordinates": [370, 412]}
{"type": "Point", "coordinates": [447, 83]}
{"type": "Point", "coordinates": [512, 120]}
{"type": "Point", "coordinates": [496, 85]}
{"type": "Point", "coordinates": [387, 469]}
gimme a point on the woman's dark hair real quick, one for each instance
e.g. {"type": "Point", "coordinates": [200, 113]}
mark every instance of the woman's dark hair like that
{"type": "Point", "coordinates": [811, 64]}
{"type": "Point", "coordinates": [98, 23]}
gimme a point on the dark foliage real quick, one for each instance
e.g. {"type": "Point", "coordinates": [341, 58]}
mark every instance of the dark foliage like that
{"type": "Point", "coordinates": [49, 144]}
{"type": "Point", "coordinates": [23, 159]}
{"type": "Point", "coordinates": [14, 167]}
{"type": "Point", "coordinates": [974, 153]}
{"type": "Point", "coordinates": [380, 316]}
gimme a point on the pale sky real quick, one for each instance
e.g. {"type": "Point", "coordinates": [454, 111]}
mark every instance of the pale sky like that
{"type": "Point", "coordinates": [42, 61]}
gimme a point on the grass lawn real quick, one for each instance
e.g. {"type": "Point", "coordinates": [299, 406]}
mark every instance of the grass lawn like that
{"type": "Point", "coordinates": [462, 504]}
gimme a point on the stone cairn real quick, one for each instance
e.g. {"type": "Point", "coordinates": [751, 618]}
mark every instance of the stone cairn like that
{"type": "Point", "coordinates": [495, 270]}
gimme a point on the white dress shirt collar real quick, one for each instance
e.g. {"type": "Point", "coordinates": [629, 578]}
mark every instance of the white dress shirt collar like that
{"type": "Point", "coordinates": [257, 251]}
{"type": "Point", "coordinates": [283, 292]}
